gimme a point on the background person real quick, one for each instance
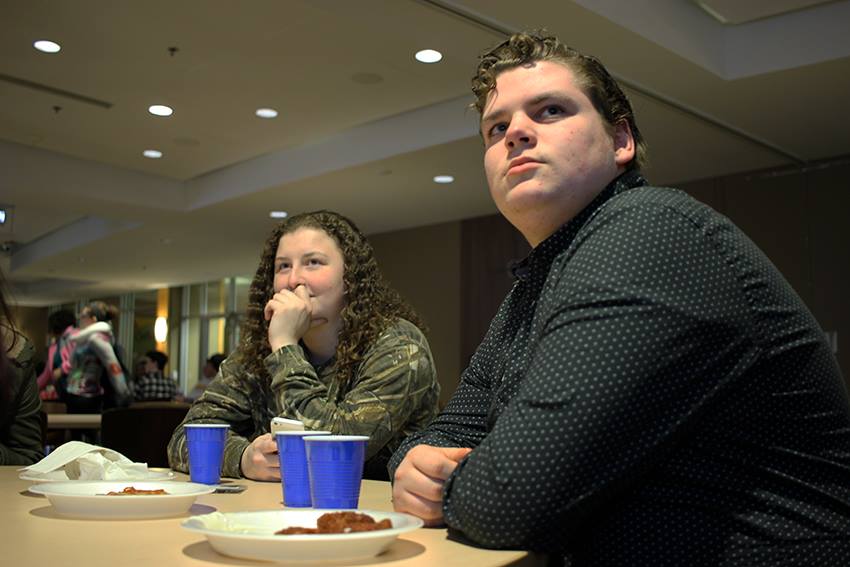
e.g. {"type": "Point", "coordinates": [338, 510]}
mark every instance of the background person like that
{"type": "Point", "coordinates": [153, 384]}
{"type": "Point", "coordinates": [52, 380]}
{"type": "Point", "coordinates": [208, 372]}
{"type": "Point", "coordinates": [20, 406]}
{"type": "Point", "coordinates": [651, 391]}
{"type": "Point", "coordinates": [327, 342]}
{"type": "Point", "coordinates": [97, 380]}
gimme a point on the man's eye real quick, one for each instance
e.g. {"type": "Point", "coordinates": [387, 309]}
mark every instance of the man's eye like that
{"type": "Point", "coordinates": [553, 110]}
{"type": "Point", "coordinates": [498, 129]}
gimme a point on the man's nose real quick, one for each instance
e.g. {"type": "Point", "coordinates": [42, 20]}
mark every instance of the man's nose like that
{"type": "Point", "coordinates": [520, 131]}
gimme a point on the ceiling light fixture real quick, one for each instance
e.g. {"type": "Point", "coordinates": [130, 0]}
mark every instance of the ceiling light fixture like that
{"type": "Point", "coordinates": [160, 110]}
{"type": "Point", "coordinates": [443, 179]}
{"type": "Point", "coordinates": [153, 154]}
{"type": "Point", "coordinates": [47, 46]}
{"type": "Point", "coordinates": [278, 214]}
{"type": "Point", "coordinates": [428, 56]}
{"type": "Point", "coordinates": [266, 112]}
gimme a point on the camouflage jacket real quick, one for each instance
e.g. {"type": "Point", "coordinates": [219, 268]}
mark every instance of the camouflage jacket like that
{"type": "Point", "coordinates": [393, 393]}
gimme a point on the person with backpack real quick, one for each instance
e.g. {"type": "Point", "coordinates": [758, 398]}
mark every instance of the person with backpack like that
{"type": "Point", "coordinates": [97, 379]}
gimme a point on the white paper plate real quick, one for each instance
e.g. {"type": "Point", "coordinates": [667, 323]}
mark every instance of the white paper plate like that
{"type": "Point", "coordinates": [86, 499]}
{"type": "Point", "coordinates": [60, 476]}
{"type": "Point", "coordinates": [250, 535]}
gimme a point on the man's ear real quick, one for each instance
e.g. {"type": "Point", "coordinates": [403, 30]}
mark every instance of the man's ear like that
{"type": "Point", "coordinates": [624, 144]}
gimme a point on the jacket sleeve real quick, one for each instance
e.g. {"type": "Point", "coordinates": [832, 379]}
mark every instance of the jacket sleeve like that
{"type": "Point", "coordinates": [463, 422]}
{"type": "Point", "coordinates": [229, 398]}
{"type": "Point", "coordinates": [66, 352]}
{"type": "Point", "coordinates": [46, 376]}
{"type": "Point", "coordinates": [106, 353]}
{"type": "Point", "coordinates": [395, 378]}
{"type": "Point", "coordinates": [22, 445]}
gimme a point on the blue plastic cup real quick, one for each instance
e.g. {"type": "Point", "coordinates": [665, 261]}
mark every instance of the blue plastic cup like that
{"type": "Point", "coordinates": [206, 451]}
{"type": "Point", "coordinates": [336, 469]}
{"type": "Point", "coordinates": [294, 476]}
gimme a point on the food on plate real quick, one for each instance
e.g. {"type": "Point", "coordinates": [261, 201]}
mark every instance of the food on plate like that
{"type": "Point", "coordinates": [132, 491]}
{"type": "Point", "coordinates": [340, 523]}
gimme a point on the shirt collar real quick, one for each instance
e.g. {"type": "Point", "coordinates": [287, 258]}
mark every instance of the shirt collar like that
{"type": "Point", "coordinates": [545, 252]}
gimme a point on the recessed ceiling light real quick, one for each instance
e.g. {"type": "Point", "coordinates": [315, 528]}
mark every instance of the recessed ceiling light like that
{"type": "Point", "coordinates": [266, 112]}
{"type": "Point", "coordinates": [428, 56]}
{"type": "Point", "coordinates": [47, 46]}
{"type": "Point", "coordinates": [153, 154]}
{"type": "Point", "coordinates": [278, 214]}
{"type": "Point", "coordinates": [160, 110]}
{"type": "Point", "coordinates": [443, 179]}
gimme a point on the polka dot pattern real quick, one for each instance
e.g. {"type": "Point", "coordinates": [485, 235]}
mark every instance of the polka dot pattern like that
{"type": "Point", "coordinates": [651, 392]}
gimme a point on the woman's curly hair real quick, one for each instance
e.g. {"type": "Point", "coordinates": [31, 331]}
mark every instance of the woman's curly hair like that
{"type": "Point", "coordinates": [371, 305]}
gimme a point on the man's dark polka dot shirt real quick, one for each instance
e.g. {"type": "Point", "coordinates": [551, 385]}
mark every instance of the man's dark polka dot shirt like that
{"type": "Point", "coordinates": [651, 392]}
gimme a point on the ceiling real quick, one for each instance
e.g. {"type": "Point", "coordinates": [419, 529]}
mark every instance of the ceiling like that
{"type": "Point", "coordinates": [362, 127]}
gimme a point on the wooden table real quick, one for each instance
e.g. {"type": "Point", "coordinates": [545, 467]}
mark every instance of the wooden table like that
{"type": "Point", "coordinates": [73, 421]}
{"type": "Point", "coordinates": [33, 534]}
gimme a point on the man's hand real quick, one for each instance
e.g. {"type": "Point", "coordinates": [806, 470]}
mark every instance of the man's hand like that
{"type": "Point", "coordinates": [259, 459]}
{"type": "Point", "coordinates": [419, 479]}
{"type": "Point", "coordinates": [289, 314]}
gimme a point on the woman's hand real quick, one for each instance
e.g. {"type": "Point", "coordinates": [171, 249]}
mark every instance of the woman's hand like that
{"type": "Point", "coordinates": [289, 314]}
{"type": "Point", "coordinates": [259, 459]}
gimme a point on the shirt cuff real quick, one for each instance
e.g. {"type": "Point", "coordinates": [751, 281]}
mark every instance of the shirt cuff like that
{"type": "Point", "coordinates": [232, 462]}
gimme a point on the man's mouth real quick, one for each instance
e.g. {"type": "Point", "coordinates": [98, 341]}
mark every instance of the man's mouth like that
{"type": "Point", "coordinates": [521, 165]}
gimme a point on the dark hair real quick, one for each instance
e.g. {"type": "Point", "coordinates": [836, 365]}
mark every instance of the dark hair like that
{"type": "Point", "coordinates": [160, 358]}
{"type": "Point", "coordinates": [216, 360]}
{"type": "Point", "coordinates": [599, 86]}
{"type": "Point", "coordinates": [371, 304]}
{"type": "Point", "coordinates": [101, 311]}
{"type": "Point", "coordinates": [60, 320]}
{"type": "Point", "coordinates": [7, 328]}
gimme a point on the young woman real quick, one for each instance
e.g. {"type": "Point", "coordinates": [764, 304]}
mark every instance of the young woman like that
{"type": "Point", "coordinates": [327, 342]}
{"type": "Point", "coordinates": [96, 380]}
{"type": "Point", "coordinates": [60, 326]}
{"type": "Point", "coordinates": [20, 406]}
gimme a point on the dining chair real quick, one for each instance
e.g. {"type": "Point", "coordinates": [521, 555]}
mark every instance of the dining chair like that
{"type": "Point", "coordinates": [141, 431]}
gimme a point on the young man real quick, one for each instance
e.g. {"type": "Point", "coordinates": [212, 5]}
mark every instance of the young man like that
{"type": "Point", "coordinates": [651, 391]}
{"type": "Point", "coordinates": [153, 384]}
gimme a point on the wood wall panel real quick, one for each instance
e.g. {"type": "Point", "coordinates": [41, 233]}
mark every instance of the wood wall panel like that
{"type": "Point", "coordinates": [489, 246]}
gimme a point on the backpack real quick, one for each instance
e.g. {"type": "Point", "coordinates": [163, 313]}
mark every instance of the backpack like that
{"type": "Point", "coordinates": [109, 400]}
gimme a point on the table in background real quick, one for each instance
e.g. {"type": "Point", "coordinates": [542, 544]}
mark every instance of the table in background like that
{"type": "Point", "coordinates": [73, 421]}
{"type": "Point", "coordinates": [33, 534]}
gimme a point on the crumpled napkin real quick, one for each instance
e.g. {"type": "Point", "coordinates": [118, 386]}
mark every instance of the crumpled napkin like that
{"type": "Point", "coordinates": [105, 466]}
{"type": "Point", "coordinates": [82, 461]}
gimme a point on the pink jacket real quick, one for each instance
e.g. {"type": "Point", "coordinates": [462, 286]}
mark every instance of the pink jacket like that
{"type": "Point", "coordinates": [46, 388]}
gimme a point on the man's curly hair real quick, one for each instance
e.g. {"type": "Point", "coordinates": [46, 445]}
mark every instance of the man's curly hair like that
{"type": "Point", "coordinates": [371, 305]}
{"type": "Point", "coordinates": [599, 86]}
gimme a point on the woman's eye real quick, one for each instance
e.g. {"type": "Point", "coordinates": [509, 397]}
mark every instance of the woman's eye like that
{"type": "Point", "coordinates": [314, 262]}
{"type": "Point", "coordinates": [282, 267]}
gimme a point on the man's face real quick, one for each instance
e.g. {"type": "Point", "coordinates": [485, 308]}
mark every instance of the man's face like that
{"type": "Point", "coordinates": [548, 152]}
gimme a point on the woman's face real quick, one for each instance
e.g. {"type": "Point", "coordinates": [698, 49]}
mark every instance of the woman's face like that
{"type": "Point", "coordinates": [86, 318]}
{"type": "Point", "coordinates": [310, 258]}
